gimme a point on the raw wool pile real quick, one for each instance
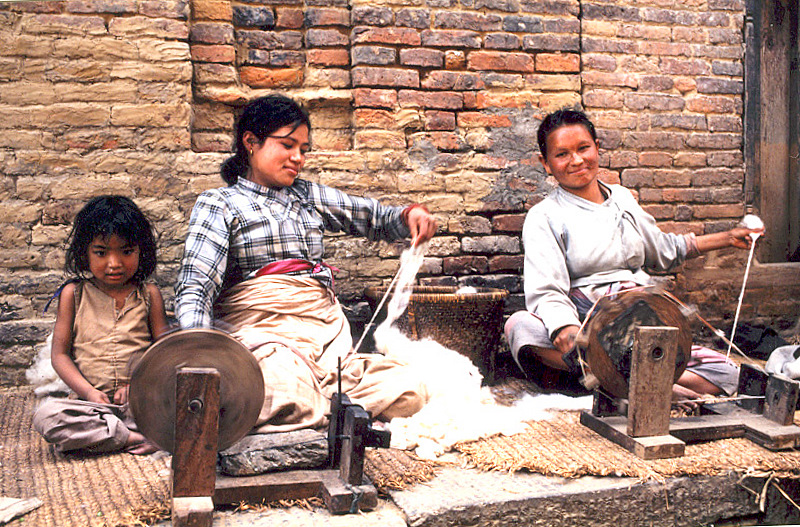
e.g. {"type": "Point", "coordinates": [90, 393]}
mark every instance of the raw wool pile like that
{"type": "Point", "coordinates": [458, 408]}
{"type": "Point", "coordinates": [42, 376]}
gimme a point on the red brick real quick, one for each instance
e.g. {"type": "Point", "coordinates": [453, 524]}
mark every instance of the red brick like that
{"type": "Point", "coordinates": [508, 222]}
{"type": "Point", "coordinates": [558, 62]}
{"type": "Point", "coordinates": [461, 265]}
{"type": "Point", "coordinates": [451, 39]}
{"type": "Point", "coordinates": [367, 97]}
{"type": "Point", "coordinates": [328, 57]}
{"type": "Point", "coordinates": [327, 16]}
{"type": "Point", "coordinates": [455, 60]}
{"type": "Point", "coordinates": [211, 33]}
{"type": "Point", "coordinates": [655, 159]}
{"type": "Point", "coordinates": [288, 18]}
{"type": "Point", "coordinates": [712, 104]}
{"type": "Point", "coordinates": [660, 212]}
{"type": "Point", "coordinates": [102, 6]}
{"type": "Point", "coordinates": [213, 53]}
{"type": "Point", "coordinates": [371, 118]}
{"type": "Point", "coordinates": [718, 211]}
{"type": "Point", "coordinates": [500, 61]}
{"type": "Point", "coordinates": [438, 100]}
{"type": "Point", "coordinates": [425, 58]}
{"type": "Point", "coordinates": [369, 76]}
{"type": "Point", "coordinates": [271, 78]}
{"type": "Point", "coordinates": [444, 141]}
{"type": "Point", "coordinates": [599, 78]}
{"type": "Point", "coordinates": [506, 263]}
{"type": "Point", "coordinates": [386, 35]}
{"type": "Point", "coordinates": [437, 120]}
{"type": "Point", "coordinates": [323, 38]}
{"type": "Point", "coordinates": [481, 120]}
{"type": "Point", "coordinates": [451, 80]}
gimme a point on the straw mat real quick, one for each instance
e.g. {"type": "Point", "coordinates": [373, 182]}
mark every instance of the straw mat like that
{"type": "Point", "coordinates": [563, 447]}
{"type": "Point", "coordinates": [119, 490]}
{"type": "Point", "coordinates": [109, 490]}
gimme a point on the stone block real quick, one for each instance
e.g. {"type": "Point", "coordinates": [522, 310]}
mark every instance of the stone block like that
{"type": "Point", "coordinates": [178, 9]}
{"type": "Point", "coordinates": [463, 265]}
{"type": "Point", "coordinates": [368, 15]}
{"type": "Point", "coordinates": [63, 24]}
{"type": "Point", "coordinates": [116, 7]}
{"type": "Point", "coordinates": [151, 114]}
{"type": "Point", "coordinates": [417, 18]}
{"type": "Point", "coordinates": [327, 78]}
{"type": "Point", "coordinates": [261, 453]}
{"type": "Point", "coordinates": [140, 26]}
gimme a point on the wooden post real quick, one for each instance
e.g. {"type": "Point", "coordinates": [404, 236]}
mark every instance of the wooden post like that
{"type": "Point", "coordinates": [356, 423]}
{"type": "Point", "coordinates": [194, 462]}
{"type": "Point", "coordinates": [781, 399]}
{"type": "Point", "coordinates": [650, 386]}
{"type": "Point", "coordinates": [752, 381]}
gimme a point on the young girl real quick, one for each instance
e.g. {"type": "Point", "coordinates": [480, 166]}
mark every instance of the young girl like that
{"type": "Point", "coordinates": [106, 314]}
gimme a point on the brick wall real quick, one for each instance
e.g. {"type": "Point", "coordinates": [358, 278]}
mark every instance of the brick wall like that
{"type": "Point", "coordinates": [433, 101]}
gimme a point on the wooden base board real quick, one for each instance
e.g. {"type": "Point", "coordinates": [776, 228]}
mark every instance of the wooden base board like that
{"type": "Point", "coordinates": [756, 428]}
{"type": "Point", "coordinates": [339, 497]}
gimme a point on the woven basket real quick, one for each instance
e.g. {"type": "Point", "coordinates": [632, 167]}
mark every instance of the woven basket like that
{"type": "Point", "coordinates": [469, 323]}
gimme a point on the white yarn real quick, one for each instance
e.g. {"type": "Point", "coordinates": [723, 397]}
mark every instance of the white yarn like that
{"type": "Point", "coordinates": [41, 374]}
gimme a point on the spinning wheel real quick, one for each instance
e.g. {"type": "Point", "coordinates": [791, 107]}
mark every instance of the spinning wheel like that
{"type": "Point", "coordinates": [608, 338]}
{"type": "Point", "coordinates": [153, 383]}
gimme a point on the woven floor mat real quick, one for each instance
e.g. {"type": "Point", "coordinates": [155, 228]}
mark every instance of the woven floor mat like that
{"type": "Point", "coordinates": [563, 447]}
{"type": "Point", "coordinates": [119, 490]}
{"type": "Point", "coordinates": [110, 490]}
{"type": "Point", "coordinates": [393, 469]}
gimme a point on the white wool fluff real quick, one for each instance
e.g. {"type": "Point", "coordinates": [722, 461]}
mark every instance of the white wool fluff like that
{"type": "Point", "coordinates": [42, 376]}
{"type": "Point", "coordinates": [458, 408]}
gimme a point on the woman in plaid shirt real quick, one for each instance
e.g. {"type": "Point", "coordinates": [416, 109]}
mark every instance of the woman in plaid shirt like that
{"type": "Point", "coordinates": [253, 264]}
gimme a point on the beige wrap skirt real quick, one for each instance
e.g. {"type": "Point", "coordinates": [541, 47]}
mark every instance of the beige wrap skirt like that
{"type": "Point", "coordinates": [297, 331]}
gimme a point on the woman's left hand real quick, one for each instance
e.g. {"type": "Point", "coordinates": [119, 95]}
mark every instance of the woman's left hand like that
{"type": "Point", "coordinates": [422, 225]}
{"type": "Point", "coordinates": [740, 237]}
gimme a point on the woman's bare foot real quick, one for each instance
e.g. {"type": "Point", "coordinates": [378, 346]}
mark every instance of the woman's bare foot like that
{"type": "Point", "coordinates": [137, 444]}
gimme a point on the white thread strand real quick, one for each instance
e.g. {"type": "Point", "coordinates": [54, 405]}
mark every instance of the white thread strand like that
{"type": "Point", "coordinates": [741, 297]}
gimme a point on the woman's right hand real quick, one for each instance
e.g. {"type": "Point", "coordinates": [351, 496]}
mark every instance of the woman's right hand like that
{"type": "Point", "coordinates": [565, 338]}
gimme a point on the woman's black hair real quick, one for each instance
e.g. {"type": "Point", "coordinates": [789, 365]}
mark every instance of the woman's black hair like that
{"type": "Point", "coordinates": [107, 216]}
{"type": "Point", "coordinates": [560, 118]}
{"type": "Point", "coordinates": [262, 117]}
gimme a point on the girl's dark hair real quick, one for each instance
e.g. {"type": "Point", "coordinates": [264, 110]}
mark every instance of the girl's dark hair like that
{"type": "Point", "coordinates": [106, 216]}
{"type": "Point", "coordinates": [262, 117]}
{"type": "Point", "coordinates": [560, 118]}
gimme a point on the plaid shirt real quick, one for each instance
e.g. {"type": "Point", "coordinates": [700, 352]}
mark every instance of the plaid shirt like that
{"type": "Point", "coordinates": [235, 231]}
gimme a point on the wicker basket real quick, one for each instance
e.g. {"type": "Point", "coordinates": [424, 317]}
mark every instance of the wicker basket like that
{"type": "Point", "coordinates": [469, 323]}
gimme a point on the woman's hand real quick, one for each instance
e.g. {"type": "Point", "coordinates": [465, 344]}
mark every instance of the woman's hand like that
{"type": "Point", "coordinates": [421, 223]}
{"type": "Point", "coordinates": [565, 338]}
{"type": "Point", "coordinates": [740, 237]}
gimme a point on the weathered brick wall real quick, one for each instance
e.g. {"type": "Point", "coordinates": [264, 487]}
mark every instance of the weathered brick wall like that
{"type": "Point", "coordinates": [433, 101]}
